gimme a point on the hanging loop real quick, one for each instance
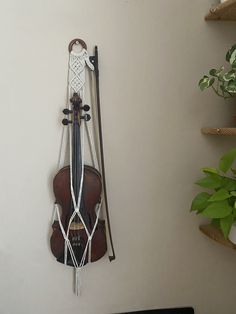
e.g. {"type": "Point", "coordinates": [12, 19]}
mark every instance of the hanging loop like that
{"type": "Point", "coordinates": [77, 41]}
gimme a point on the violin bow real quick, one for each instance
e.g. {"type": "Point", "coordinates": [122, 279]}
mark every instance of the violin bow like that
{"type": "Point", "coordinates": [94, 60]}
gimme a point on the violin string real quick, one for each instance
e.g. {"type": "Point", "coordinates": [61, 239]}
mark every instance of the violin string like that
{"type": "Point", "coordinates": [82, 155]}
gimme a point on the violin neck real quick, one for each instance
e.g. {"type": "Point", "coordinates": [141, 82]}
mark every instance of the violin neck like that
{"type": "Point", "coordinates": [76, 155]}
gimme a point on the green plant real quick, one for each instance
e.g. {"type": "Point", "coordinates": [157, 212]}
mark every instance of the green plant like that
{"type": "Point", "coordinates": [220, 204]}
{"type": "Point", "coordinates": [222, 82]}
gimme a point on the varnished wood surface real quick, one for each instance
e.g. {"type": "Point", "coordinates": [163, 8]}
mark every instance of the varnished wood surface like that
{"type": "Point", "coordinates": [218, 131]}
{"type": "Point", "coordinates": [215, 234]}
{"type": "Point", "coordinates": [225, 11]}
{"type": "Point", "coordinates": [92, 188]}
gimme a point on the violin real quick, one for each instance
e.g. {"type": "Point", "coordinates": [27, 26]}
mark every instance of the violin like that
{"type": "Point", "coordinates": [80, 227]}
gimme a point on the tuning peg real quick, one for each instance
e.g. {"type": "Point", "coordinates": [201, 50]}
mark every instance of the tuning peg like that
{"type": "Point", "coordinates": [67, 111]}
{"type": "Point", "coordinates": [85, 108]}
{"type": "Point", "coordinates": [66, 121]}
{"type": "Point", "coordinates": [86, 117]}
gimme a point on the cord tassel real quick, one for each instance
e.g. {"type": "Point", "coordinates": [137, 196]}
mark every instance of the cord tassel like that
{"type": "Point", "coordinates": [77, 281]}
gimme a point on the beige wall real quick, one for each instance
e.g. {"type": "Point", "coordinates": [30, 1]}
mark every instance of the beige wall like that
{"type": "Point", "coordinates": [152, 54]}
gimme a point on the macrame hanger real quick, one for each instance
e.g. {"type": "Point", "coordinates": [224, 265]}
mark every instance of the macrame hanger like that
{"type": "Point", "coordinates": [76, 84]}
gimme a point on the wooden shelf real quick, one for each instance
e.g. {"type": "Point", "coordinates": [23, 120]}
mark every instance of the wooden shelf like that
{"type": "Point", "coordinates": [225, 11]}
{"type": "Point", "coordinates": [218, 131]}
{"type": "Point", "coordinates": [215, 234]}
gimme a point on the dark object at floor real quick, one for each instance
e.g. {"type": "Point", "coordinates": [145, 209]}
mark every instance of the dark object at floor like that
{"type": "Point", "coordinates": [183, 310]}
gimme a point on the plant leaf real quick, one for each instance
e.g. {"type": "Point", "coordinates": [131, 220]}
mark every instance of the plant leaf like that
{"type": "Point", "coordinates": [229, 76]}
{"type": "Point", "coordinates": [215, 72]}
{"type": "Point", "coordinates": [217, 210]}
{"type": "Point", "coordinates": [200, 201]}
{"type": "Point", "coordinates": [210, 170]}
{"type": "Point", "coordinates": [227, 160]}
{"type": "Point", "coordinates": [220, 195]}
{"type": "Point", "coordinates": [233, 64]}
{"type": "Point", "coordinates": [222, 87]}
{"type": "Point", "coordinates": [211, 82]}
{"type": "Point", "coordinates": [216, 222]}
{"type": "Point", "coordinates": [226, 224]}
{"type": "Point", "coordinates": [205, 82]}
{"type": "Point", "coordinates": [231, 54]}
{"type": "Point", "coordinates": [229, 184]}
{"type": "Point", "coordinates": [212, 181]}
{"type": "Point", "coordinates": [233, 193]}
{"type": "Point", "coordinates": [231, 87]}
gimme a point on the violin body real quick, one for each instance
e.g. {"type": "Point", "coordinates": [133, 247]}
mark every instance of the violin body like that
{"type": "Point", "coordinates": [91, 195]}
